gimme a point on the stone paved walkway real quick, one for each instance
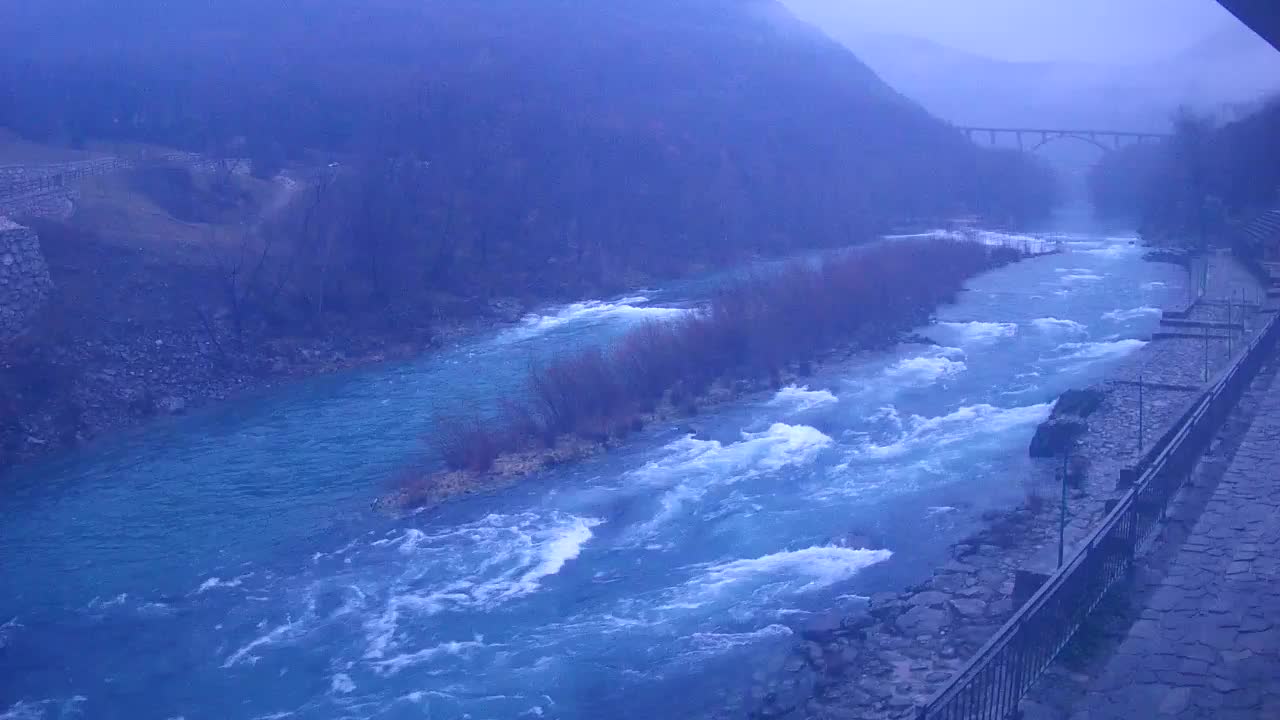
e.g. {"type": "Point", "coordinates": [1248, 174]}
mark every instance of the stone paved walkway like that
{"type": "Point", "coordinates": [1207, 643]}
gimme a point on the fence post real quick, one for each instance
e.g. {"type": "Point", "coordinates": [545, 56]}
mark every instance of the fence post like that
{"type": "Point", "coordinates": [1206, 353]}
{"type": "Point", "coordinates": [1062, 519]}
{"type": "Point", "coordinates": [1231, 331]}
{"type": "Point", "coordinates": [1140, 415]}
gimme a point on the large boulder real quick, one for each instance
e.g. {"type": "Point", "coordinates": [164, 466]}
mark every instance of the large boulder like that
{"type": "Point", "coordinates": [923, 620]}
{"type": "Point", "coordinates": [1066, 423]}
{"type": "Point", "coordinates": [1055, 436]}
{"type": "Point", "coordinates": [1080, 403]}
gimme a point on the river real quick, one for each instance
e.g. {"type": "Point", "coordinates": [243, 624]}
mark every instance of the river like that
{"type": "Point", "coordinates": [227, 564]}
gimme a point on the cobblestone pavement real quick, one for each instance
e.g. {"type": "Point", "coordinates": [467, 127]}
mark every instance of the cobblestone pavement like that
{"type": "Point", "coordinates": [1206, 643]}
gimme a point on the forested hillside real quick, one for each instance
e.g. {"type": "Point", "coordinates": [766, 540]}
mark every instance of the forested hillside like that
{"type": "Point", "coordinates": [610, 137]}
{"type": "Point", "coordinates": [422, 164]}
{"type": "Point", "coordinates": [1200, 183]}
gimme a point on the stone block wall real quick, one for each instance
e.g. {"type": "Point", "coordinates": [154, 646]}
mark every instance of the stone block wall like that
{"type": "Point", "coordinates": [24, 278]}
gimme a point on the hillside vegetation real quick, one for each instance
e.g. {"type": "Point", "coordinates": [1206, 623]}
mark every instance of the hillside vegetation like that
{"type": "Point", "coordinates": [1199, 185]}
{"type": "Point", "coordinates": [601, 139]}
{"type": "Point", "coordinates": [420, 162]}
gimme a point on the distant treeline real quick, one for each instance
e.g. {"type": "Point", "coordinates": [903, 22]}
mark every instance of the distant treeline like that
{"type": "Point", "coordinates": [1197, 185]}
{"type": "Point", "coordinates": [556, 145]}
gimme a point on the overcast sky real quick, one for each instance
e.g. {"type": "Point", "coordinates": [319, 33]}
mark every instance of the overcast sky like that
{"type": "Point", "coordinates": [1098, 30]}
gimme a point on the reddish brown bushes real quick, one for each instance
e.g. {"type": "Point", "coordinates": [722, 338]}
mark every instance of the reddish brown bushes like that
{"type": "Point", "coordinates": [470, 443]}
{"type": "Point", "coordinates": [752, 327]}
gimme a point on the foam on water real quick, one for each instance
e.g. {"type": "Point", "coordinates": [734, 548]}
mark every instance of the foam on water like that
{"type": "Point", "coordinates": [1073, 278]}
{"type": "Point", "coordinates": [1099, 350]}
{"type": "Point", "coordinates": [1132, 314]}
{"type": "Point", "coordinates": [217, 582]}
{"type": "Point", "coordinates": [342, 683]}
{"type": "Point", "coordinates": [690, 467]}
{"type": "Point", "coordinates": [100, 604]}
{"type": "Point", "coordinates": [713, 643]}
{"type": "Point", "coordinates": [925, 370]}
{"type": "Point", "coordinates": [939, 233]}
{"type": "Point", "coordinates": [1056, 325]}
{"type": "Point", "coordinates": [1033, 243]}
{"type": "Point", "coordinates": [801, 399]}
{"type": "Point", "coordinates": [977, 331]}
{"type": "Point", "coordinates": [963, 424]}
{"type": "Point", "coordinates": [43, 709]}
{"type": "Point", "coordinates": [628, 308]}
{"type": "Point", "coordinates": [999, 239]}
{"type": "Point", "coordinates": [1113, 252]}
{"type": "Point", "coordinates": [796, 570]}
{"type": "Point", "coordinates": [393, 665]}
{"type": "Point", "coordinates": [8, 630]}
{"type": "Point", "coordinates": [780, 446]}
{"type": "Point", "coordinates": [281, 633]}
{"type": "Point", "coordinates": [478, 566]}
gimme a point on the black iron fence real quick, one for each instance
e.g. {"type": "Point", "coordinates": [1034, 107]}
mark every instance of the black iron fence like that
{"type": "Point", "coordinates": [993, 682]}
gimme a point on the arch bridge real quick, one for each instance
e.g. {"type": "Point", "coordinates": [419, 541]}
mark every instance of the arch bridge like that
{"type": "Point", "coordinates": [1035, 138]}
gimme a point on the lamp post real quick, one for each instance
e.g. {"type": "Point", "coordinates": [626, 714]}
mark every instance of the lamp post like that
{"type": "Point", "coordinates": [1206, 353]}
{"type": "Point", "coordinates": [1141, 412]}
{"type": "Point", "coordinates": [1231, 331]}
{"type": "Point", "coordinates": [1062, 516]}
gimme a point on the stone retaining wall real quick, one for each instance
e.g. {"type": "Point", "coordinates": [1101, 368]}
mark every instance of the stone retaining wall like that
{"type": "Point", "coordinates": [52, 190]}
{"type": "Point", "coordinates": [24, 278]}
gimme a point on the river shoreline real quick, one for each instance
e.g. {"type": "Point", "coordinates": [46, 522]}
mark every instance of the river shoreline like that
{"type": "Point", "coordinates": [144, 387]}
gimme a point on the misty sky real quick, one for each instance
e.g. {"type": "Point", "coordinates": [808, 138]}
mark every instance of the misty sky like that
{"type": "Point", "coordinates": [1097, 30]}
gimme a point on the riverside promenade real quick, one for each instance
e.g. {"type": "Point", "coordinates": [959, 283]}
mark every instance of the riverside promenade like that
{"type": "Point", "coordinates": [1198, 634]}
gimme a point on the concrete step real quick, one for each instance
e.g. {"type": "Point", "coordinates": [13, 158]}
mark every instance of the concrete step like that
{"type": "Point", "coordinates": [1173, 335]}
{"type": "Point", "coordinates": [1210, 324]}
{"type": "Point", "coordinates": [1171, 387]}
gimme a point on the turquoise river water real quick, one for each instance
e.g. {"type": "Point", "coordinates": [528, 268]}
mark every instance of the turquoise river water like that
{"type": "Point", "coordinates": [228, 565]}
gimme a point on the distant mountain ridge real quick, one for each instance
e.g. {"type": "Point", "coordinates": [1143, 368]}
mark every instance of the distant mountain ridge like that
{"type": "Point", "coordinates": [1230, 67]}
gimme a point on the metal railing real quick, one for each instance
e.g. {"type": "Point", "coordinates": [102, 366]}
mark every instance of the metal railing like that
{"type": "Point", "coordinates": [993, 682]}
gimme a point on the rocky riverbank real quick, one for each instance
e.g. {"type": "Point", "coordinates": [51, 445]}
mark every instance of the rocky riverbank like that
{"type": "Point", "coordinates": [895, 652]}
{"type": "Point", "coordinates": [65, 394]}
{"type": "Point", "coordinates": [120, 343]}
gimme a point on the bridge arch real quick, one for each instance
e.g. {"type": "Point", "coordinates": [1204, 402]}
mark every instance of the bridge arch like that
{"type": "Point", "coordinates": [1032, 139]}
